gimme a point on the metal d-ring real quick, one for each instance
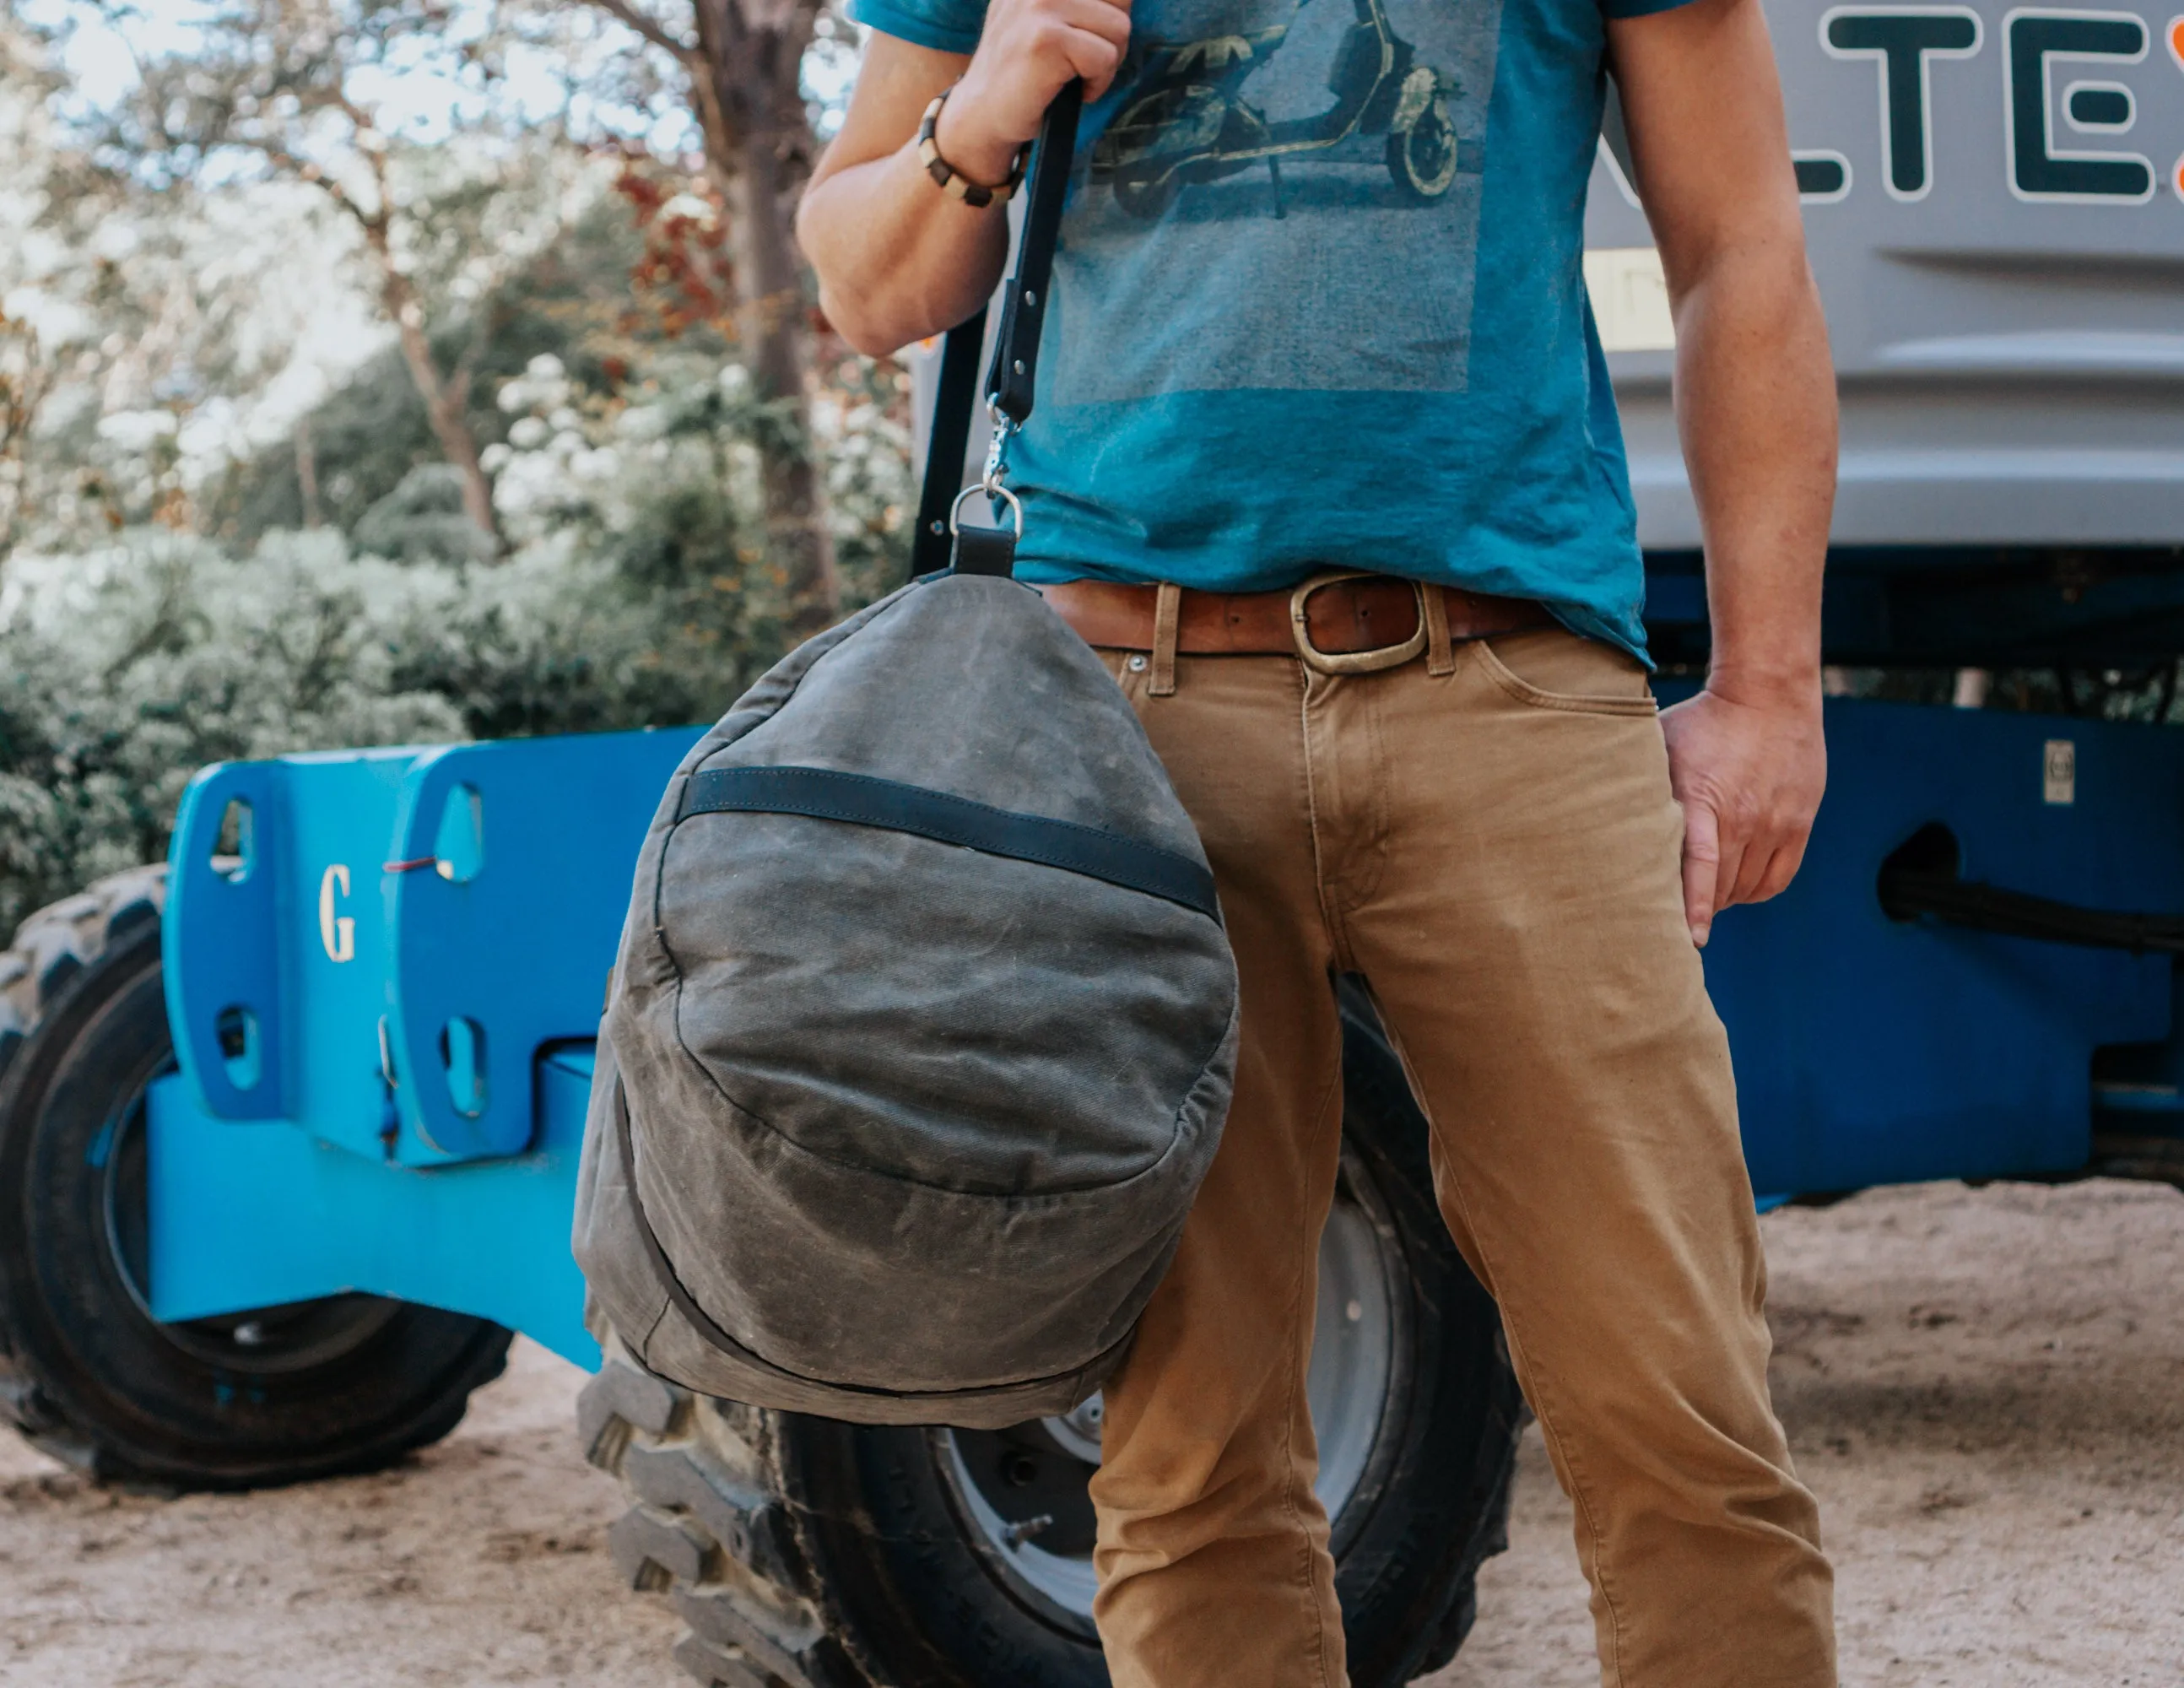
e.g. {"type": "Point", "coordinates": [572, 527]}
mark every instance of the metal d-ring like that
{"type": "Point", "coordinates": [991, 491]}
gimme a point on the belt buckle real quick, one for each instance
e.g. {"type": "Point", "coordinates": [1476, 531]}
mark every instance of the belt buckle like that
{"type": "Point", "coordinates": [1350, 661]}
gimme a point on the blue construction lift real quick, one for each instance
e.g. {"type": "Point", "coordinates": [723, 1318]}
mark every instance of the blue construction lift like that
{"type": "Point", "coordinates": [290, 1142]}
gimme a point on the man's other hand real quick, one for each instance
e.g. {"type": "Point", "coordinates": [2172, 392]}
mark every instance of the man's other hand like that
{"type": "Point", "coordinates": [1749, 771]}
{"type": "Point", "coordinates": [1030, 51]}
{"type": "Point", "coordinates": [1756, 407]}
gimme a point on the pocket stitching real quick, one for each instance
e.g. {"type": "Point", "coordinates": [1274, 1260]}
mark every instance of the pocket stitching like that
{"type": "Point", "coordinates": [1524, 691]}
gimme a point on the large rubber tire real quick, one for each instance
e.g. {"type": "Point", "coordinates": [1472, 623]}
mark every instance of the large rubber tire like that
{"type": "Point", "coordinates": [54, 945]}
{"type": "Point", "coordinates": [273, 1395]}
{"type": "Point", "coordinates": [805, 1553]}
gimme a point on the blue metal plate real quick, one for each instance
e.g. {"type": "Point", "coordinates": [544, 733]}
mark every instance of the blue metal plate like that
{"type": "Point", "coordinates": [285, 942]}
{"type": "Point", "coordinates": [363, 937]}
{"type": "Point", "coordinates": [1870, 1051]}
{"type": "Point", "coordinates": [254, 1215]}
{"type": "Point", "coordinates": [501, 940]}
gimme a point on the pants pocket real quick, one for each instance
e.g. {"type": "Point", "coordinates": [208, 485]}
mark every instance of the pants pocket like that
{"type": "Point", "coordinates": [1552, 669]}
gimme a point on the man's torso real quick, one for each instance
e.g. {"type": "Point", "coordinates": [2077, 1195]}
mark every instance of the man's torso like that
{"type": "Point", "coordinates": [1319, 301]}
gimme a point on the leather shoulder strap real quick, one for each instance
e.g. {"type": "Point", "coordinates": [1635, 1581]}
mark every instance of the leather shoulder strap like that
{"type": "Point", "coordinates": [1012, 377]}
{"type": "Point", "coordinates": [1011, 380]}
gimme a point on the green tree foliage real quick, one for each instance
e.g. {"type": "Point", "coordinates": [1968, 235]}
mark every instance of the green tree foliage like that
{"type": "Point", "coordinates": [574, 299]}
{"type": "Point", "coordinates": [279, 88]}
{"type": "Point", "coordinates": [122, 672]}
{"type": "Point", "coordinates": [739, 66]}
{"type": "Point", "coordinates": [241, 534]}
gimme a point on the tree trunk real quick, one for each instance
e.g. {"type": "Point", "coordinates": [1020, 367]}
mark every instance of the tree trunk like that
{"type": "Point", "coordinates": [445, 400]}
{"type": "Point", "coordinates": [24, 381]}
{"type": "Point", "coordinates": [306, 471]}
{"type": "Point", "coordinates": [444, 408]}
{"type": "Point", "coordinates": [745, 83]}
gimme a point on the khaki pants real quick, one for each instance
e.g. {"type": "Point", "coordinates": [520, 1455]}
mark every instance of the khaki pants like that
{"type": "Point", "coordinates": [1487, 835]}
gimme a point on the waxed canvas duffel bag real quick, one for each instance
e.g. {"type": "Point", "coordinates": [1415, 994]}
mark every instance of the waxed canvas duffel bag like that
{"type": "Point", "coordinates": [923, 1025]}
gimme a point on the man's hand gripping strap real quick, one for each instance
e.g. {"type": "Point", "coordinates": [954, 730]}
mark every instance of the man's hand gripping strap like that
{"type": "Point", "coordinates": [980, 547]}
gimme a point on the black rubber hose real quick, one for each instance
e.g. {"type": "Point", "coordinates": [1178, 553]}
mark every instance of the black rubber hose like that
{"type": "Point", "coordinates": [1908, 892]}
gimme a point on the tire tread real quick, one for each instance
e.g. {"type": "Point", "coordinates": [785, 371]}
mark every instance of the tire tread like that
{"type": "Point", "coordinates": [51, 948]}
{"type": "Point", "coordinates": [757, 1527]}
{"type": "Point", "coordinates": [32, 972]}
{"type": "Point", "coordinates": [710, 1527]}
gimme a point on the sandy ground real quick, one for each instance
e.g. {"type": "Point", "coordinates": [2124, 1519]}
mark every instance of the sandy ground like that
{"type": "Point", "coordinates": [1986, 1388]}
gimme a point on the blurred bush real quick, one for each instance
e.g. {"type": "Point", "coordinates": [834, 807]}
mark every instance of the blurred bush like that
{"type": "Point", "coordinates": [640, 592]}
{"type": "Point", "coordinates": [122, 672]}
{"type": "Point", "coordinates": [448, 429]}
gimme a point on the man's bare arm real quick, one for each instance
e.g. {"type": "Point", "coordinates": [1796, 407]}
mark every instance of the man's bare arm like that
{"type": "Point", "coordinates": [1756, 409]}
{"type": "Point", "coordinates": [897, 257]}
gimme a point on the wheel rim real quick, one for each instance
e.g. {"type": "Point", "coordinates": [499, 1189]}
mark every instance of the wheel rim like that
{"type": "Point", "coordinates": [263, 1341]}
{"type": "Point", "coordinates": [1429, 151]}
{"type": "Point", "coordinates": [1356, 1361]}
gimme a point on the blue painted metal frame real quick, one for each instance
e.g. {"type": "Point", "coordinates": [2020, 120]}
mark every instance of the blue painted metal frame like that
{"type": "Point", "coordinates": [353, 952]}
{"type": "Point", "coordinates": [350, 1163]}
{"type": "Point", "coordinates": [520, 950]}
{"type": "Point", "coordinates": [1868, 1051]}
{"type": "Point", "coordinates": [247, 1214]}
{"type": "Point", "coordinates": [240, 912]}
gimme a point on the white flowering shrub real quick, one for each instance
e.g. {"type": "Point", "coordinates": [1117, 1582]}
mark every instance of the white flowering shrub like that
{"type": "Point", "coordinates": [122, 672]}
{"type": "Point", "coordinates": [661, 477]}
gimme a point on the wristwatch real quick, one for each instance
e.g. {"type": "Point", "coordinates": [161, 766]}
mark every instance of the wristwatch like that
{"type": "Point", "coordinates": [952, 182]}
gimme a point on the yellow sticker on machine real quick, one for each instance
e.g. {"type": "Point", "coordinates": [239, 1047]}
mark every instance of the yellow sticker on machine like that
{"type": "Point", "coordinates": [1629, 298]}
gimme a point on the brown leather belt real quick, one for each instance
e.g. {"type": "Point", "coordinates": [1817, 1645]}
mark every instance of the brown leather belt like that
{"type": "Point", "coordinates": [1342, 622]}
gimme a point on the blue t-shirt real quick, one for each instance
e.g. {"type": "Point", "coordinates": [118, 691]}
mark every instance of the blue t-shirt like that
{"type": "Point", "coordinates": [1319, 302]}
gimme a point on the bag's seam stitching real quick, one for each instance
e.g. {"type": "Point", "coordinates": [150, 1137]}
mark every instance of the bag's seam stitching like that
{"type": "Point", "coordinates": [737, 1348]}
{"type": "Point", "coordinates": [740, 1351]}
{"type": "Point", "coordinates": [949, 796]}
{"type": "Point", "coordinates": [1024, 1203]}
{"type": "Point", "coordinates": [1100, 832]}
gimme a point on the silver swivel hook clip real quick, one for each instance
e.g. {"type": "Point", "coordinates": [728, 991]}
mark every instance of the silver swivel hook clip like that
{"type": "Point", "coordinates": [990, 481]}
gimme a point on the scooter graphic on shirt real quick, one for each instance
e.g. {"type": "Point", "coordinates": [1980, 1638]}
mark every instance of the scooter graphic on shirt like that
{"type": "Point", "coordinates": [1184, 120]}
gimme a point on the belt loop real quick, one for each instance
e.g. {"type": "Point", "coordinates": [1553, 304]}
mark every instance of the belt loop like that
{"type": "Point", "coordinates": [1433, 603]}
{"type": "Point", "coordinates": [1167, 618]}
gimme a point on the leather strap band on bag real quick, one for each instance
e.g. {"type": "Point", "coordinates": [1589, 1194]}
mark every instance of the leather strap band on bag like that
{"type": "Point", "coordinates": [860, 800]}
{"type": "Point", "coordinates": [1012, 377]}
{"type": "Point", "coordinates": [1011, 380]}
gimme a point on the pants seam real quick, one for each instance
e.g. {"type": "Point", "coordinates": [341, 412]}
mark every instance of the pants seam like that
{"type": "Point", "coordinates": [1338, 936]}
{"type": "Point", "coordinates": [1379, 785]}
{"type": "Point", "coordinates": [1289, 1433]}
{"type": "Point", "coordinates": [1578, 1486]}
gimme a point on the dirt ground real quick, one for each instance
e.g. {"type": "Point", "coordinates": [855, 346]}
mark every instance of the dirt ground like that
{"type": "Point", "coordinates": [1986, 1388]}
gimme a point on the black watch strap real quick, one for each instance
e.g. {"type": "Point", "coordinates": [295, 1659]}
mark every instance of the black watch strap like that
{"type": "Point", "coordinates": [1012, 377]}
